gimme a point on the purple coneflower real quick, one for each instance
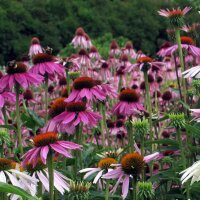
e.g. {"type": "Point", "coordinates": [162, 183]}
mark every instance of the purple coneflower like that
{"type": "Point", "coordinates": [76, 113]}
{"type": "Point", "coordinates": [45, 142]}
{"type": "Point", "coordinates": [174, 12]}
{"type": "Point", "coordinates": [187, 43]}
{"type": "Point", "coordinates": [104, 165]}
{"type": "Point", "coordinates": [17, 73]}
{"type": "Point", "coordinates": [85, 88]}
{"type": "Point", "coordinates": [128, 104]}
{"type": "Point", "coordinates": [40, 172]}
{"type": "Point", "coordinates": [79, 41]}
{"type": "Point", "coordinates": [9, 173]}
{"type": "Point", "coordinates": [131, 165]}
{"type": "Point", "coordinates": [35, 47]}
{"type": "Point", "coordinates": [45, 64]}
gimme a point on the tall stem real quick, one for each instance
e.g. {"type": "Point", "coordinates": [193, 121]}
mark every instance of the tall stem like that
{"type": "Point", "coordinates": [39, 189]}
{"type": "Point", "coordinates": [18, 121]}
{"type": "Point", "coordinates": [178, 81]}
{"type": "Point", "coordinates": [130, 135]}
{"type": "Point", "coordinates": [183, 158]}
{"type": "Point", "coordinates": [149, 106]}
{"type": "Point", "coordinates": [142, 154]}
{"type": "Point", "coordinates": [180, 51]}
{"type": "Point", "coordinates": [51, 175]}
{"type": "Point", "coordinates": [102, 124]}
{"type": "Point", "coordinates": [107, 190]}
{"type": "Point", "coordinates": [68, 81]}
{"type": "Point", "coordinates": [5, 115]}
{"type": "Point", "coordinates": [134, 188]}
{"type": "Point", "coordinates": [46, 96]}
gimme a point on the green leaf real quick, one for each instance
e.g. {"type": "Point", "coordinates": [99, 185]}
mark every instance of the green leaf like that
{"type": "Point", "coordinates": [184, 104]}
{"type": "Point", "coordinates": [7, 188]}
{"type": "Point", "coordinates": [8, 127]}
{"type": "Point", "coordinates": [164, 141]}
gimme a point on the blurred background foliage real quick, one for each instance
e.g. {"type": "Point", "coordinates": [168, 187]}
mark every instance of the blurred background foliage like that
{"type": "Point", "coordinates": [54, 23]}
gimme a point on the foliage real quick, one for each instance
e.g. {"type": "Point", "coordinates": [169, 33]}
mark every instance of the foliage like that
{"type": "Point", "coordinates": [55, 22]}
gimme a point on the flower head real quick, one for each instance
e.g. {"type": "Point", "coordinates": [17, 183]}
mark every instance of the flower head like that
{"type": "Point", "coordinates": [43, 143]}
{"type": "Point", "coordinates": [17, 73]}
{"type": "Point", "coordinates": [175, 15]}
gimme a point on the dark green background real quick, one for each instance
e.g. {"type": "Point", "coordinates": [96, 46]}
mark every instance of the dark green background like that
{"type": "Point", "coordinates": [55, 21]}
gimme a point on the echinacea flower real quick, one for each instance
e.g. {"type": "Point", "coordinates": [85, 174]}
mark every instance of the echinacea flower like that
{"type": "Point", "coordinates": [43, 143]}
{"type": "Point", "coordinates": [94, 54]}
{"type": "Point", "coordinates": [191, 172]}
{"type": "Point", "coordinates": [6, 96]}
{"type": "Point", "coordinates": [196, 113]}
{"type": "Point", "coordinates": [44, 63]}
{"type": "Point", "coordinates": [128, 103]}
{"type": "Point", "coordinates": [17, 73]}
{"type": "Point", "coordinates": [9, 173]}
{"type": "Point", "coordinates": [187, 44]}
{"type": "Point", "coordinates": [35, 47]}
{"type": "Point", "coordinates": [131, 165]}
{"type": "Point", "coordinates": [40, 172]}
{"type": "Point", "coordinates": [193, 72]}
{"type": "Point", "coordinates": [85, 88]}
{"type": "Point", "coordinates": [104, 165]}
{"type": "Point", "coordinates": [114, 48]}
{"type": "Point", "coordinates": [76, 113]}
{"type": "Point", "coordinates": [57, 107]}
{"type": "Point", "coordinates": [175, 15]}
{"type": "Point", "coordinates": [174, 12]}
{"type": "Point", "coordinates": [79, 41]}
{"type": "Point", "coordinates": [144, 61]}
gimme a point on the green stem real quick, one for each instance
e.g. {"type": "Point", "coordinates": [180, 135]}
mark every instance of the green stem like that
{"type": "Point", "coordinates": [149, 106]}
{"type": "Point", "coordinates": [104, 122]}
{"type": "Point", "coordinates": [18, 121]}
{"type": "Point", "coordinates": [183, 158]}
{"type": "Point", "coordinates": [39, 189]}
{"type": "Point", "coordinates": [1, 151]}
{"type": "Point", "coordinates": [134, 188]}
{"type": "Point", "coordinates": [180, 51]}
{"type": "Point", "coordinates": [46, 96]}
{"type": "Point", "coordinates": [120, 83]}
{"type": "Point", "coordinates": [51, 175]}
{"type": "Point", "coordinates": [102, 125]}
{"type": "Point", "coordinates": [107, 190]}
{"type": "Point", "coordinates": [142, 153]}
{"type": "Point", "coordinates": [68, 81]}
{"type": "Point", "coordinates": [130, 135]}
{"type": "Point", "coordinates": [5, 115]}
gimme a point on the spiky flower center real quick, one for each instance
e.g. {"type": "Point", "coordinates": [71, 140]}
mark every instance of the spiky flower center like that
{"type": "Point", "coordinates": [45, 139]}
{"type": "Point", "coordinates": [187, 40]}
{"type": "Point", "coordinates": [129, 95]}
{"type": "Point", "coordinates": [82, 52]}
{"type": "Point", "coordinates": [104, 65]}
{"type": "Point", "coordinates": [114, 45]}
{"type": "Point", "coordinates": [106, 163]}
{"type": "Point", "coordinates": [119, 123]}
{"type": "Point", "coordinates": [129, 45]}
{"type": "Point", "coordinates": [64, 92]}
{"type": "Point", "coordinates": [80, 31]}
{"type": "Point", "coordinates": [6, 164]}
{"type": "Point", "coordinates": [93, 49]}
{"type": "Point", "coordinates": [39, 166]}
{"type": "Point", "coordinates": [110, 124]}
{"type": "Point", "coordinates": [176, 13]}
{"type": "Point", "coordinates": [76, 106]}
{"type": "Point", "coordinates": [144, 59]}
{"type": "Point", "coordinates": [35, 40]}
{"type": "Point", "coordinates": [133, 163]}
{"type": "Point", "coordinates": [18, 67]}
{"type": "Point", "coordinates": [124, 58]}
{"type": "Point", "coordinates": [42, 58]}
{"type": "Point", "coordinates": [28, 94]}
{"type": "Point", "coordinates": [168, 153]}
{"type": "Point", "coordinates": [167, 96]}
{"type": "Point", "coordinates": [83, 82]}
{"type": "Point", "coordinates": [57, 107]}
